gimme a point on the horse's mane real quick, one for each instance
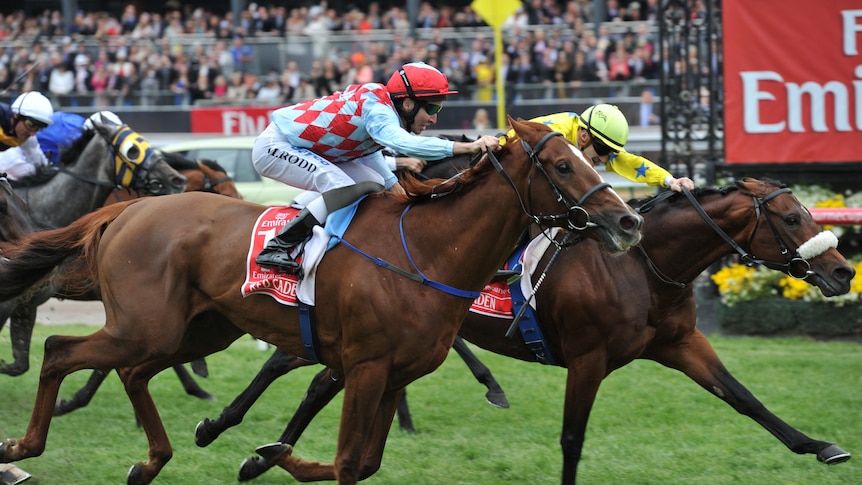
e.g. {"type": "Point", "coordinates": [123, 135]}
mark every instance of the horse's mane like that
{"type": "Point", "coordinates": [212, 165]}
{"type": "Point", "coordinates": [179, 162]}
{"type": "Point", "coordinates": [419, 190]}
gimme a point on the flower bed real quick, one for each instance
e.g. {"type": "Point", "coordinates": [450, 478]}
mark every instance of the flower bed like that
{"type": "Point", "coordinates": [760, 301]}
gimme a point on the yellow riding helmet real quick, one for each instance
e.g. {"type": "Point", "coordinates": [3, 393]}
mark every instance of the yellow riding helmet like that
{"type": "Point", "coordinates": [607, 123]}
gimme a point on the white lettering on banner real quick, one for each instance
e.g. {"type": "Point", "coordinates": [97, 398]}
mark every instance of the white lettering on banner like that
{"type": "Point", "coordinates": [241, 123]}
{"type": "Point", "coordinates": [817, 95]}
{"type": "Point", "coordinates": [851, 27]}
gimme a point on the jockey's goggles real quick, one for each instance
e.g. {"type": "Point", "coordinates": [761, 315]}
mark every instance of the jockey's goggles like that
{"type": "Point", "coordinates": [432, 109]}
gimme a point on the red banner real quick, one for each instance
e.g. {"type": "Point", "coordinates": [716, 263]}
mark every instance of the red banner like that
{"type": "Point", "coordinates": [231, 120]}
{"type": "Point", "coordinates": [793, 81]}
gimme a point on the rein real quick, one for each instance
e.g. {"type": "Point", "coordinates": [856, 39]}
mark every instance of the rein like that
{"type": "Point", "coordinates": [418, 277]}
{"type": "Point", "coordinates": [745, 256]}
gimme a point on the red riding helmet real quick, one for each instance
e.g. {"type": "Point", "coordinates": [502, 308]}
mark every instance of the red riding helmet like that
{"type": "Point", "coordinates": [418, 80]}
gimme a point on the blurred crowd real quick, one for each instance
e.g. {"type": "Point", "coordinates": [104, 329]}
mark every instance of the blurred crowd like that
{"type": "Point", "coordinates": [196, 54]}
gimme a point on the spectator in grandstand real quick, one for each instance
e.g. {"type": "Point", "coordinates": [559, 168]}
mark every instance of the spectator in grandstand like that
{"type": "Point", "coordinates": [242, 54]}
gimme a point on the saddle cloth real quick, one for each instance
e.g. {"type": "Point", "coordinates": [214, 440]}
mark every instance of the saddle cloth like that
{"type": "Point", "coordinates": [495, 301]}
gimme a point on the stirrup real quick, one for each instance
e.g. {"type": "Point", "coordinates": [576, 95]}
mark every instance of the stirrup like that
{"type": "Point", "coordinates": [279, 260]}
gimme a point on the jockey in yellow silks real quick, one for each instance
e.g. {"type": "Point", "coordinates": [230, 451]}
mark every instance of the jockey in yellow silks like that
{"type": "Point", "coordinates": [601, 132]}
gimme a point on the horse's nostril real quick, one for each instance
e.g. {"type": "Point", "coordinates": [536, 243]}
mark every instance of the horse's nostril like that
{"type": "Point", "coordinates": [178, 181]}
{"type": "Point", "coordinates": [632, 222]}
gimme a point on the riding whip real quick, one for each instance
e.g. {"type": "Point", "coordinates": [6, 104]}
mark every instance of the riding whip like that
{"type": "Point", "coordinates": [20, 77]}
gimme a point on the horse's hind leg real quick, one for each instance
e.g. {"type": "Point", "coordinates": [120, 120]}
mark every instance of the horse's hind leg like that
{"type": "Point", "coordinates": [22, 319]}
{"type": "Point", "coordinates": [63, 355]}
{"type": "Point", "coordinates": [697, 359]}
{"type": "Point", "coordinates": [83, 396]}
{"type": "Point", "coordinates": [325, 385]}
{"type": "Point", "coordinates": [278, 364]}
{"type": "Point", "coordinates": [496, 396]}
{"type": "Point", "coordinates": [190, 385]}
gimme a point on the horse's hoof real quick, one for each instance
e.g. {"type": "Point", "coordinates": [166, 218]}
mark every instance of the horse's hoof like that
{"type": "Point", "coordinates": [202, 435]}
{"type": "Point", "coordinates": [497, 399]}
{"type": "Point", "coordinates": [252, 467]}
{"type": "Point", "coordinates": [136, 476]}
{"type": "Point", "coordinates": [3, 453]}
{"type": "Point", "coordinates": [832, 455]}
{"type": "Point", "coordinates": [273, 451]}
{"type": "Point", "coordinates": [201, 394]}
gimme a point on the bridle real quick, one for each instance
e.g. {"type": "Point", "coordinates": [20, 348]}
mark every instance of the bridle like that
{"type": "Point", "coordinates": [133, 162]}
{"type": "Point", "coordinates": [574, 208]}
{"type": "Point", "coordinates": [796, 265]}
{"type": "Point", "coordinates": [210, 185]}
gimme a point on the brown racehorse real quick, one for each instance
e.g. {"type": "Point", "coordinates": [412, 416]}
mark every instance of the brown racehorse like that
{"type": "Point", "coordinates": [639, 305]}
{"type": "Point", "coordinates": [166, 265]}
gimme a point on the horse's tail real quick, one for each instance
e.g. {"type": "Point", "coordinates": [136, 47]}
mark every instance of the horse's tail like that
{"type": "Point", "coordinates": [34, 257]}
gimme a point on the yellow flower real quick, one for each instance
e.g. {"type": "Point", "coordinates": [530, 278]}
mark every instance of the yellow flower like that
{"type": "Point", "coordinates": [793, 289]}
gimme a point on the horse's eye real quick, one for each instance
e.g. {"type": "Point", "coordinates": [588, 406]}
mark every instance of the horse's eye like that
{"type": "Point", "coordinates": [792, 221]}
{"type": "Point", "coordinates": [564, 167]}
{"type": "Point", "coordinates": [130, 151]}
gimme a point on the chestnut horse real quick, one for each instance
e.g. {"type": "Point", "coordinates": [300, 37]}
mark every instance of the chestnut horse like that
{"type": "Point", "coordinates": [170, 270]}
{"type": "Point", "coordinates": [639, 305]}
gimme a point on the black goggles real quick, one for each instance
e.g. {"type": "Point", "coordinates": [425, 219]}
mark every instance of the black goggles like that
{"type": "Point", "coordinates": [432, 109]}
{"type": "Point", "coordinates": [33, 125]}
{"type": "Point", "coordinates": [601, 148]}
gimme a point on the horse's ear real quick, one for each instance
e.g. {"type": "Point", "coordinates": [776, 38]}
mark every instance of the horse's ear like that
{"type": "Point", "coordinates": [748, 186]}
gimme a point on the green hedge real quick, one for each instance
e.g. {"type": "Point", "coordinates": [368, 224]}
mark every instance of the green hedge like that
{"type": "Point", "coordinates": [779, 316]}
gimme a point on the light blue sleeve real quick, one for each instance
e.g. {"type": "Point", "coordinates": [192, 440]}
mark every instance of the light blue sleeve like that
{"type": "Point", "coordinates": [384, 126]}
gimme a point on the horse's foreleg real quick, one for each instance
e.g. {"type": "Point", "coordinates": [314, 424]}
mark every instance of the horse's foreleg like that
{"type": "Point", "coordinates": [323, 388]}
{"type": "Point", "coordinates": [63, 355]}
{"type": "Point", "coordinates": [405, 422]}
{"type": "Point", "coordinates": [584, 376]}
{"type": "Point", "coordinates": [279, 364]}
{"type": "Point", "coordinates": [366, 417]}
{"type": "Point", "coordinates": [190, 385]}
{"type": "Point", "coordinates": [83, 396]}
{"type": "Point", "coordinates": [495, 395]}
{"type": "Point", "coordinates": [698, 360]}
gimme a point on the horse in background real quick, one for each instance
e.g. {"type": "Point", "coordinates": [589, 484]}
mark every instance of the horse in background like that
{"type": "Point", "coordinates": [638, 305]}
{"type": "Point", "coordinates": [201, 176]}
{"type": "Point", "coordinates": [100, 160]}
{"type": "Point", "coordinates": [185, 256]}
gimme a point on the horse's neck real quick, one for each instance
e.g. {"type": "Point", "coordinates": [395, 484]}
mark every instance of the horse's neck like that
{"type": "Point", "coordinates": [681, 244]}
{"type": "Point", "coordinates": [473, 233]}
{"type": "Point", "coordinates": [65, 198]}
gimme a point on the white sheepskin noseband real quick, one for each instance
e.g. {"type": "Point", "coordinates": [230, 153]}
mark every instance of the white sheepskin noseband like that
{"type": "Point", "coordinates": [818, 245]}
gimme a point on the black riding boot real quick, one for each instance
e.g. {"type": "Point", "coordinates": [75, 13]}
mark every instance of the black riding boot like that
{"type": "Point", "coordinates": [277, 250]}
